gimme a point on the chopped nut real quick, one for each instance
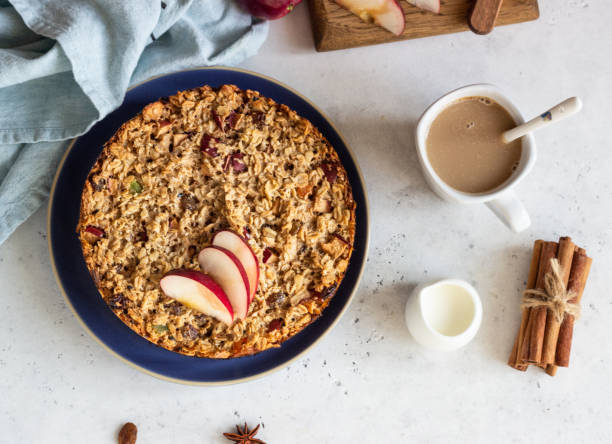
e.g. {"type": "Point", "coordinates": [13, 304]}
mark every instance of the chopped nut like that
{"type": "Point", "coordinates": [164, 127]}
{"type": "Point", "coordinates": [304, 191]}
{"type": "Point", "coordinates": [335, 247]}
{"type": "Point", "coordinates": [322, 205]}
{"type": "Point", "coordinates": [153, 111]}
{"type": "Point", "coordinates": [178, 138]}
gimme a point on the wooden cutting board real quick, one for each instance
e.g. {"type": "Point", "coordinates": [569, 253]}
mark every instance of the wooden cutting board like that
{"type": "Point", "coordinates": [337, 28]}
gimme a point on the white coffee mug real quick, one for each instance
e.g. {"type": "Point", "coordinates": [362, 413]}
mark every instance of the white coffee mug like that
{"type": "Point", "coordinates": [501, 200]}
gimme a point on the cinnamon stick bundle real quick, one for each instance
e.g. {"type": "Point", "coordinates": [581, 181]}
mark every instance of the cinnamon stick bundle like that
{"type": "Point", "coordinates": [544, 337]}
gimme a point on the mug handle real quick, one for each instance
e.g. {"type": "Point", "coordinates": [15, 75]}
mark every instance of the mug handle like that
{"type": "Point", "coordinates": [509, 209]}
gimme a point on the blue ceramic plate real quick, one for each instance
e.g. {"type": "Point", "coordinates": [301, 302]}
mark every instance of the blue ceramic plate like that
{"type": "Point", "coordinates": [83, 297]}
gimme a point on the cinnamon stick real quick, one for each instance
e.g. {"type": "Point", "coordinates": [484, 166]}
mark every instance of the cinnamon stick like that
{"type": "Point", "coordinates": [581, 265]}
{"type": "Point", "coordinates": [531, 281]}
{"type": "Point", "coordinates": [551, 331]}
{"type": "Point", "coordinates": [534, 338]}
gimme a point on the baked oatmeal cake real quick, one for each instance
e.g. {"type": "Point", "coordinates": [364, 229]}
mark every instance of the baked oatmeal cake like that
{"type": "Point", "coordinates": [198, 162]}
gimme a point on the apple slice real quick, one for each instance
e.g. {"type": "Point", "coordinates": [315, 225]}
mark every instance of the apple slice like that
{"type": "Point", "coordinates": [239, 246]}
{"type": "Point", "coordinates": [198, 291]}
{"type": "Point", "coordinates": [226, 269]}
{"type": "Point", "coordinates": [428, 5]}
{"type": "Point", "coordinates": [385, 13]}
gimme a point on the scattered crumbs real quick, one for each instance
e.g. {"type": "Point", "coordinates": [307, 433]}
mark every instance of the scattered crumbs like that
{"type": "Point", "coordinates": [236, 414]}
{"type": "Point", "coordinates": [402, 277]}
{"type": "Point", "coordinates": [346, 392]}
{"type": "Point", "coordinates": [361, 301]}
{"type": "Point", "coordinates": [338, 383]}
{"type": "Point", "coordinates": [471, 246]}
{"type": "Point", "coordinates": [329, 375]}
{"type": "Point", "coordinates": [368, 354]}
{"type": "Point", "coordinates": [538, 384]}
{"type": "Point", "coordinates": [425, 271]}
{"type": "Point", "coordinates": [324, 362]}
{"type": "Point", "coordinates": [356, 320]}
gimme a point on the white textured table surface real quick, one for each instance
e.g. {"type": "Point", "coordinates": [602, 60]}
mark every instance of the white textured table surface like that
{"type": "Point", "coordinates": [367, 381]}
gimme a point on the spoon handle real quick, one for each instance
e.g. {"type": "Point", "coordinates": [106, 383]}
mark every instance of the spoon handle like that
{"type": "Point", "coordinates": [564, 109]}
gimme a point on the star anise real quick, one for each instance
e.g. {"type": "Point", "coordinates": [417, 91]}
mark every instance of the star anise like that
{"type": "Point", "coordinates": [244, 435]}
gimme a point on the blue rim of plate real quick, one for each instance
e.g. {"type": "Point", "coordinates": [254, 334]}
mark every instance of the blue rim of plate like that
{"type": "Point", "coordinates": [82, 296]}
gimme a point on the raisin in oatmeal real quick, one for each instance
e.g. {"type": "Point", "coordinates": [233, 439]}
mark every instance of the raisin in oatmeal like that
{"type": "Point", "coordinates": [191, 165]}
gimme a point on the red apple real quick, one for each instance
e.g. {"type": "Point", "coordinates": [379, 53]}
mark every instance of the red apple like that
{"type": "Point", "coordinates": [270, 9]}
{"type": "Point", "coordinates": [241, 249]}
{"type": "Point", "coordinates": [226, 269]}
{"type": "Point", "coordinates": [385, 13]}
{"type": "Point", "coordinates": [198, 291]}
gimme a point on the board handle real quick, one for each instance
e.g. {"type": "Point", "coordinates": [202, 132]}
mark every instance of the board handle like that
{"type": "Point", "coordinates": [483, 15]}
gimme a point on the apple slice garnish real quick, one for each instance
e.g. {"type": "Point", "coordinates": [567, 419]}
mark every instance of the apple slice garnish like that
{"type": "Point", "coordinates": [198, 291]}
{"type": "Point", "coordinates": [428, 5]}
{"type": "Point", "coordinates": [239, 246]}
{"type": "Point", "coordinates": [227, 270]}
{"type": "Point", "coordinates": [385, 13]}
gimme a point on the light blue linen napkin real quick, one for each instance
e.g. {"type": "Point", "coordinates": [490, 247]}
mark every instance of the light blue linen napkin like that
{"type": "Point", "coordinates": [64, 65]}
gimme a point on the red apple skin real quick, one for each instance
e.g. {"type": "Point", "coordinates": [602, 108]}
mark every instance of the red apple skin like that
{"type": "Point", "coordinates": [241, 314]}
{"type": "Point", "coordinates": [270, 9]}
{"type": "Point", "coordinates": [205, 281]}
{"type": "Point", "coordinates": [254, 280]}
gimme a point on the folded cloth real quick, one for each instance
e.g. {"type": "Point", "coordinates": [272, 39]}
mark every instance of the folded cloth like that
{"type": "Point", "coordinates": [66, 65]}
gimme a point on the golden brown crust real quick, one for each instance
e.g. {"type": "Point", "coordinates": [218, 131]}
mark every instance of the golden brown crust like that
{"type": "Point", "coordinates": [205, 160]}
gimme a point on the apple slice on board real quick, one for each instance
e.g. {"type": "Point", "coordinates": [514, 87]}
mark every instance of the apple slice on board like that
{"type": "Point", "coordinates": [198, 291]}
{"type": "Point", "coordinates": [225, 268]}
{"type": "Point", "coordinates": [385, 13]}
{"type": "Point", "coordinates": [428, 5]}
{"type": "Point", "coordinates": [241, 249]}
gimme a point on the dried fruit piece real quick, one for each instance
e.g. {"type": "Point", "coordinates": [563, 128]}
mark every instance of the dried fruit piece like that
{"type": "Point", "coordinates": [99, 232]}
{"type": "Point", "coordinates": [330, 171]}
{"type": "Point", "coordinates": [128, 433]}
{"type": "Point", "coordinates": [135, 187]}
{"type": "Point", "coordinates": [238, 165]}
{"type": "Point", "coordinates": [99, 185]}
{"type": "Point", "coordinates": [142, 236]}
{"type": "Point", "coordinates": [267, 254]}
{"type": "Point", "coordinates": [275, 324]}
{"type": "Point", "coordinates": [188, 202]}
{"type": "Point", "coordinates": [233, 119]}
{"type": "Point", "coordinates": [259, 118]}
{"type": "Point", "coordinates": [190, 332]}
{"type": "Point", "coordinates": [118, 301]}
{"type": "Point", "coordinates": [218, 121]}
{"type": "Point", "coordinates": [276, 298]}
{"type": "Point", "coordinates": [205, 145]}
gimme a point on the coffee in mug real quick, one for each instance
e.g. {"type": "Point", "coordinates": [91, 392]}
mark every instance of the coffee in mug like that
{"type": "Point", "coordinates": [465, 146]}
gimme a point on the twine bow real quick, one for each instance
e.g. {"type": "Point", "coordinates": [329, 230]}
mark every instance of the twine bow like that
{"type": "Point", "coordinates": [555, 296]}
